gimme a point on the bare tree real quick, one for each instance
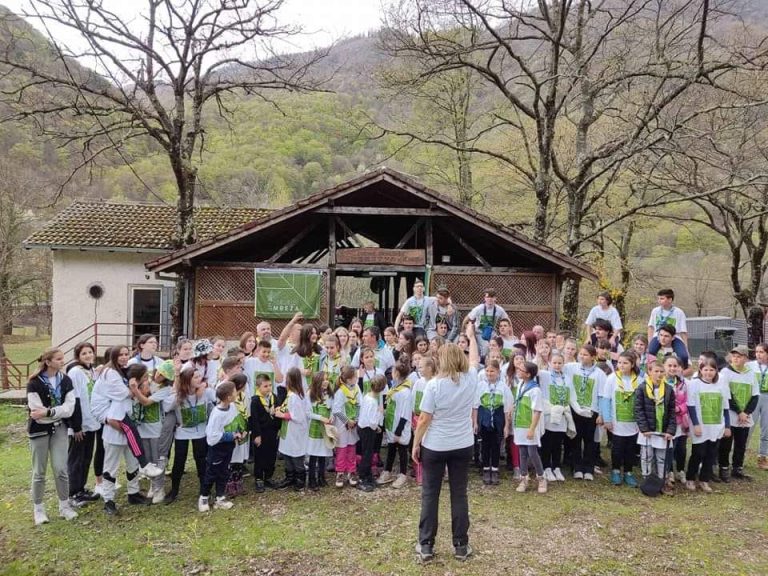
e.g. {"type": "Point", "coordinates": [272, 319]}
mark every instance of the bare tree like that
{"type": "Point", "coordinates": [158, 71]}
{"type": "Point", "coordinates": [581, 89]}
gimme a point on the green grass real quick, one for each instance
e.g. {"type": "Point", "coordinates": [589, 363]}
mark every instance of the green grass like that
{"type": "Point", "coordinates": [575, 529]}
{"type": "Point", "coordinates": [22, 350]}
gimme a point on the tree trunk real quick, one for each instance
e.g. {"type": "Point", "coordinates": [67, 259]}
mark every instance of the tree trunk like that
{"type": "Point", "coordinates": [620, 299]}
{"type": "Point", "coordinates": [569, 317]}
{"type": "Point", "coordinates": [186, 180]}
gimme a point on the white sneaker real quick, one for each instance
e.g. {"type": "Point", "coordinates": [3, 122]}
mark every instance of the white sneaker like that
{"type": "Point", "coordinates": [40, 516]}
{"type": "Point", "coordinates": [385, 478]}
{"type": "Point", "coordinates": [579, 475]}
{"type": "Point", "coordinates": [681, 477]}
{"type": "Point", "coordinates": [202, 504]}
{"type": "Point", "coordinates": [588, 477]}
{"type": "Point", "coordinates": [151, 493]}
{"type": "Point", "coordinates": [66, 511]}
{"type": "Point", "coordinates": [400, 481]}
{"type": "Point", "coordinates": [548, 475]}
{"type": "Point", "coordinates": [222, 503]}
{"type": "Point", "coordinates": [558, 475]}
{"type": "Point", "coordinates": [158, 497]}
{"type": "Point", "coordinates": [99, 489]}
{"type": "Point", "coordinates": [151, 470]}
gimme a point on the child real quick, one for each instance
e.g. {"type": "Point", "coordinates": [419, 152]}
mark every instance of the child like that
{"type": "Point", "coordinates": [606, 311]}
{"type": "Point", "coordinates": [83, 441]}
{"type": "Point", "coordinates": [193, 401]}
{"type": "Point", "coordinates": [570, 349]}
{"type": "Point", "coordinates": [584, 380]}
{"type": "Point", "coordinates": [605, 355]}
{"type": "Point", "coordinates": [346, 411]}
{"type": "Point", "coordinates": [262, 362]}
{"type": "Point", "coordinates": [760, 369]}
{"type": "Point", "coordinates": [390, 337]}
{"type": "Point", "coordinates": [543, 354]}
{"type": "Point", "coordinates": [397, 423]}
{"type": "Point", "coordinates": [427, 371]}
{"type": "Point", "coordinates": [639, 346]}
{"type": "Point", "coordinates": [665, 346]}
{"type": "Point", "coordinates": [513, 374]}
{"type": "Point", "coordinates": [672, 370]}
{"type": "Point", "coordinates": [148, 414]}
{"type": "Point", "coordinates": [617, 409]}
{"type": "Point", "coordinates": [745, 393]}
{"type": "Point", "coordinates": [556, 422]}
{"type": "Point", "coordinates": [321, 401]}
{"type": "Point", "coordinates": [51, 399]}
{"type": "Point", "coordinates": [223, 431]}
{"type": "Point", "coordinates": [215, 358]}
{"type": "Point", "coordinates": [708, 411]}
{"type": "Point", "coordinates": [332, 361]}
{"type": "Point", "coordinates": [529, 405]}
{"type": "Point", "coordinates": [144, 352]}
{"type": "Point", "coordinates": [655, 417]}
{"type": "Point", "coordinates": [200, 352]}
{"type": "Point", "coordinates": [293, 431]}
{"type": "Point", "coordinates": [668, 314]}
{"type": "Point", "coordinates": [369, 426]}
{"type": "Point", "coordinates": [507, 337]}
{"type": "Point", "coordinates": [241, 402]}
{"type": "Point", "coordinates": [264, 427]}
{"type": "Point", "coordinates": [491, 419]}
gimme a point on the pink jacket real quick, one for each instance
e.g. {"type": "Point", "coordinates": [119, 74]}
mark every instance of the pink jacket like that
{"type": "Point", "coordinates": [681, 404]}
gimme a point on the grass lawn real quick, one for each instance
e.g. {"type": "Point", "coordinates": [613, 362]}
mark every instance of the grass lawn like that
{"type": "Point", "coordinates": [22, 350]}
{"type": "Point", "coordinates": [577, 528]}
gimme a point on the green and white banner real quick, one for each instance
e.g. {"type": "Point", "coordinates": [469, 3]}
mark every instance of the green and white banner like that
{"type": "Point", "coordinates": [282, 293]}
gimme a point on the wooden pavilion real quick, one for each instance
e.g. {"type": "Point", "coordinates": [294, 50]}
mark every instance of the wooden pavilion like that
{"type": "Point", "coordinates": [383, 225]}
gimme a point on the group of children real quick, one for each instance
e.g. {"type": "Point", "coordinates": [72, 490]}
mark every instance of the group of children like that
{"type": "Point", "coordinates": [330, 400]}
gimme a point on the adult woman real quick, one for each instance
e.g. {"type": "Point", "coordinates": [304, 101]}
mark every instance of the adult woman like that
{"type": "Point", "coordinates": [444, 438]}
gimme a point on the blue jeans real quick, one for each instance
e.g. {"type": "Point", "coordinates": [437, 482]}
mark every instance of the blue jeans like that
{"type": "Point", "coordinates": [678, 347]}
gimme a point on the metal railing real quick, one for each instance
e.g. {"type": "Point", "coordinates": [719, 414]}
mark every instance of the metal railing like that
{"type": "Point", "coordinates": [103, 335]}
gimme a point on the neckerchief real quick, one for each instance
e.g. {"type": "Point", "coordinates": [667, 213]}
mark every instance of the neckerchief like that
{"type": "Point", "coordinates": [54, 388]}
{"type": "Point", "coordinates": [332, 365]}
{"type": "Point", "coordinates": [585, 378]}
{"type": "Point", "coordinates": [658, 395]}
{"type": "Point", "coordinates": [404, 385]}
{"type": "Point", "coordinates": [523, 390]}
{"type": "Point", "coordinates": [763, 375]}
{"type": "Point", "coordinates": [560, 389]}
{"type": "Point", "coordinates": [266, 401]}
{"type": "Point", "coordinates": [351, 396]}
{"type": "Point", "coordinates": [626, 393]}
{"type": "Point", "coordinates": [661, 319]}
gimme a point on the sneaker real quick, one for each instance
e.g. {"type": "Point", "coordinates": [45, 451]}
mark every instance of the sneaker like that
{"type": "Point", "coordinates": [724, 476]}
{"type": "Point", "coordinates": [558, 475]}
{"type": "Point", "coordinates": [578, 476]}
{"type": "Point", "coordinates": [400, 481]}
{"type": "Point", "coordinates": [385, 478]}
{"type": "Point", "coordinates": [738, 474]}
{"type": "Point", "coordinates": [616, 478]}
{"type": "Point", "coordinates": [222, 503]}
{"type": "Point", "coordinates": [339, 480]}
{"type": "Point", "coordinates": [762, 462]}
{"type": "Point", "coordinates": [597, 471]}
{"type": "Point", "coordinates": [542, 489]}
{"type": "Point", "coordinates": [366, 486]}
{"type": "Point", "coordinates": [487, 476]}
{"type": "Point", "coordinates": [461, 553]}
{"type": "Point", "coordinates": [690, 485]}
{"type": "Point", "coordinates": [588, 477]}
{"type": "Point", "coordinates": [516, 474]}
{"type": "Point", "coordinates": [99, 490]}
{"type": "Point", "coordinates": [269, 484]}
{"type": "Point", "coordinates": [704, 487]}
{"type": "Point", "coordinates": [352, 479]}
{"type": "Point", "coordinates": [681, 477]}
{"type": "Point", "coordinates": [260, 486]}
{"type": "Point", "coordinates": [202, 504]}
{"type": "Point", "coordinates": [151, 493]}
{"type": "Point", "coordinates": [670, 481]}
{"type": "Point", "coordinates": [495, 477]}
{"type": "Point", "coordinates": [151, 470]}
{"type": "Point", "coordinates": [549, 475]}
{"type": "Point", "coordinates": [425, 552]}
{"type": "Point", "coordinates": [159, 496]}
{"type": "Point", "coordinates": [523, 485]}
{"type": "Point", "coordinates": [630, 480]}
{"type": "Point", "coordinates": [40, 516]}
{"type": "Point", "coordinates": [110, 508]}
{"type": "Point", "coordinates": [83, 498]}
{"type": "Point", "coordinates": [170, 498]}
{"type": "Point", "coordinates": [138, 499]}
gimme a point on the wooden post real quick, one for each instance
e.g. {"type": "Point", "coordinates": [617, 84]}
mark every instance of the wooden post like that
{"type": "Point", "coordinates": [429, 242]}
{"type": "Point", "coordinates": [331, 271]}
{"type": "Point", "coordinates": [396, 298]}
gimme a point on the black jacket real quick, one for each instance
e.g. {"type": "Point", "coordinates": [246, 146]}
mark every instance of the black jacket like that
{"type": "Point", "coordinates": [645, 411]}
{"type": "Point", "coordinates": [66, 412]}
{"type": "Point", "coordinates": [260, 422]}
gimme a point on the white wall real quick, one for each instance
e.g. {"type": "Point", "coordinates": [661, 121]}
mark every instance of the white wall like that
{"type": "Point", "coordinates": [73, 309]}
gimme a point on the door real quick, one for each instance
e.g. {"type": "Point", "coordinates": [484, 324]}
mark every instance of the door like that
{"type": "Point", "coordinates": [146, 312]}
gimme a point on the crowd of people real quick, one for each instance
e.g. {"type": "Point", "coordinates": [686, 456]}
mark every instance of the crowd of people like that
{"type": "Point", "coordinates": [357, 407]}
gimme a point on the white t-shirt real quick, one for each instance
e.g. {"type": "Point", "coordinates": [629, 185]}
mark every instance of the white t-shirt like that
{"type": "Point", "coordinates": [610, 314]}
{"type": "Point", "coordinates": [192, 414]}
{"type": "Point", "coordinates": [295, 432]}
{"type": "Point", "coordinates": [674, 316]}
{"type": "Point", "coordinates": [484, 316]}
{"type": "Point", "coordinates": [621, 391]}
{"type": "Point", "coordinates": [585, 384]}
{"type": "Point", "coordinates": [743, 385]}
{"type": "Point", "coordinates": [556, 391]}
{"type": "Point", "coordinates": [384, 358]}
{"type": "Point", "coordinates": [252, 367]}
{"type": "Point", "coordinates": [709, 400]}
{"type": "Point", "coordinates": [417, 309]}
{"type": "Point", "coordinates": [528, 400]}
{"type": "Point", "coordinates": [761, 374]}
{"type": "Point", "coordinates": [371, 414]}
{"type": "Point", "coordinates": [451, 407]}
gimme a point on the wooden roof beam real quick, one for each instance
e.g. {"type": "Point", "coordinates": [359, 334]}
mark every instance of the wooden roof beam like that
{"type": "Point", "coordinates": [379, 211]}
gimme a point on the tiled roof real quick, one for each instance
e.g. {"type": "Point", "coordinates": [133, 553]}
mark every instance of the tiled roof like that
{"type": "Point", "coordinates": [140, 227]}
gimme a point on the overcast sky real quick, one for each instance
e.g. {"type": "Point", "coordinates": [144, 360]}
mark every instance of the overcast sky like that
{"type": "Point", "coordinates": [323, 20]}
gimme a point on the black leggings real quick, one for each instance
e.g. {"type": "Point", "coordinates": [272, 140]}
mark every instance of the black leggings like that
{"type": "Point", "coordinates": [397, 450]}
{"type": "Point", "coordinates": [703, 457]}
{"type": "Point", "coordinates": [316, 467]}
{"type": "Point", "coordinates": [98, 455]}
{"type": "Point", "coordinates": [623, 452]}
{"type": "Point", "coordinates": [552, 449]}
{"type": "Point", "coordinates": [584, 451]}
{"type": "Point", "coordinates": [181, 449]}
{"type": "Point", "coordinates": [491, 447]}
{"type": "Point", "coordinates": [738, 440]}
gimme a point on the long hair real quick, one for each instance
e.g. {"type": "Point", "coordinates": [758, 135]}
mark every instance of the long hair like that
{"type": "Point", "coordinates": [410, 343]}
{"type": "Point", "coordinates": [79, 347]}
{"type": "Point", "coordinates": [316, 387]}
{"type": "Point", "coordinates": [113, 362]}
{"type": "Point", "coordinates": [244, 340]}
{"type": "Point", "coordinates": [44, 359]}
{"type": "Point", "coordinates": [293, 382]}
{"type": "Point", "coordinates": [346, 373]}
{"type": "Point", "coordinates": [529, 339]}
{"type": "Point", "coordinates": [632, 357]}
{"type": "Point", "coordinates": [137, 371]}
{"type": "Point", "coordinates": [305, 347]}
{"type": "Point", "coordinates": [712, 364]}
{"type": "Point", "coordinates": [184, 383]}
{"type": "Point", "coordinates": [452, 362]}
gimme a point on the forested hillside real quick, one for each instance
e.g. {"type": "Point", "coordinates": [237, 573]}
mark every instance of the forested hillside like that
{"type": "Point", "coordinates": [272, 152]}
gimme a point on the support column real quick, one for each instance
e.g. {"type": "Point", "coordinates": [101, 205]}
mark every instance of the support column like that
{"type": "Point", "coordinates": [331, 271]}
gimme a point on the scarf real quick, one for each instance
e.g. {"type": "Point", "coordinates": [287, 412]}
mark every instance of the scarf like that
{"type": "Point", "coordinates": [54, 388]}
{"type": "Point", "coordinates": [625, 394]}
{"type": "Point", "coordinates": [404, 385]}
{"type": "Point", "coordinates": [266, 401]}
{"type": "Point", "coordinates": [658, 400]}
{"type": "Point", "coordinates": [351, 397]}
